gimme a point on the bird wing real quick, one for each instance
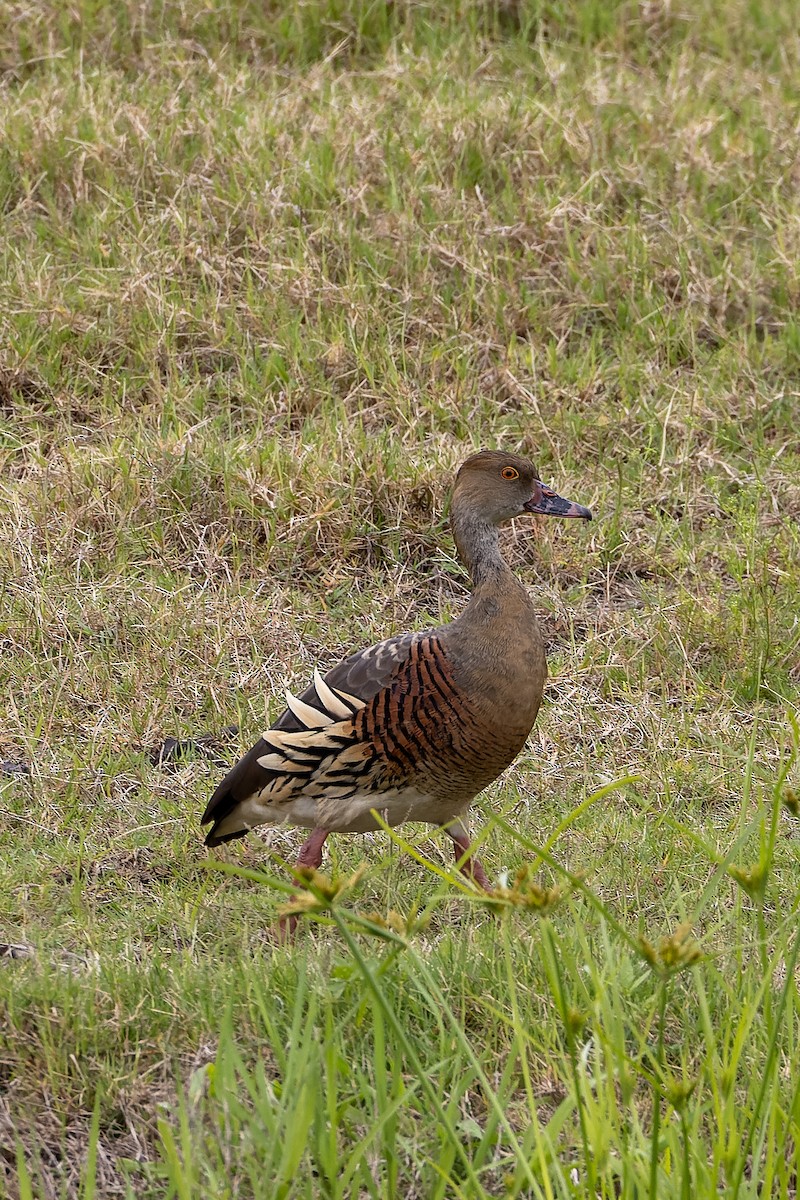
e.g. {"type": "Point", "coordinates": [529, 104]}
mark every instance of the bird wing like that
{"type": "Point", "coordinates": [361, 675]}
{"type": "Point", "coordinates": [345, 689]}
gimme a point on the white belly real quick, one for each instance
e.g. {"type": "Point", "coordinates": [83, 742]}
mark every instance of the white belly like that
{"type": "Point", "coordinates": [339, 815]}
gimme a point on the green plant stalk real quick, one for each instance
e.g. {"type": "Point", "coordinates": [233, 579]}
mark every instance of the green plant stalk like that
{"type": "Point", "coordinates": [90, 1173]}
{"type": "Point", "coordinates": [656, 1129]}
{"type": "Point", "coordinates": [686, 1179]}
{"type": "Point", "coordinates": [455, 1026]}
{"type": "Point", "coordinates": [391, 1017]}
{"type": "Point", "coordinates": [766, 864]}
{"type": "Point", "coordinates": [519, 1039]}
{"type": "Point", "coordinates": [588, 1155]}
{"type": "Point", "coordinates": [575, 880]}
{"type": "Point", "coordinates": [23, 1175]}
{"type": "Point", "coordinates": [771, 1053]}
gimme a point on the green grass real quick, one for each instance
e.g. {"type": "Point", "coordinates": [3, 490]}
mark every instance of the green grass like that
{"type": "Point", "coordinates": [270, 272]}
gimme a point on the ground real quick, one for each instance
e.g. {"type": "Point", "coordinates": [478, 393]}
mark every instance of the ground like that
{"type": "Point", "coordinates": [270, 272]}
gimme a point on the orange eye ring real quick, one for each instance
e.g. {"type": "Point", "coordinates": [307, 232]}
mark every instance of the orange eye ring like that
{"type": "Point", "coordinates": [509, 473]}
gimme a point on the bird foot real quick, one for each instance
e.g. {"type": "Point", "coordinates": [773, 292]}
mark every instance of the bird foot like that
{"type": "Point", "coordinates": [308, 861]}
{"type": "Point", "coordinates": [284, 930]}
{"type": "Point", "coordinates": [468, 865]}
{"type": "Point", "coordinates": [473, 870]}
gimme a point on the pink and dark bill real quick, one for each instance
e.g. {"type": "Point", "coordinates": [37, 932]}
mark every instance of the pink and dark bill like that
{"type": "Point", "coordinates": [546, 502]}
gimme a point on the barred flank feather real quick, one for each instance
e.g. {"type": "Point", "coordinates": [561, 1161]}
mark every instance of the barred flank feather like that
{"type": "Point", "coordinates": [323, 734]}
{"type": "Point", "coordinates": [301, 762]}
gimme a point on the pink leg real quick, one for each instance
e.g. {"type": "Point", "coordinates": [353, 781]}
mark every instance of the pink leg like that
{"type": "Point", "coordinates": [311, 850]}
{"type": "Point", "coordinates": [469, 865]}
{"type": "Point", "coordinates": [310, 856]}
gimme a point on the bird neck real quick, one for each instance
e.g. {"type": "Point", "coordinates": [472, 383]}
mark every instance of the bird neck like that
{"type": "Point", "coordinates": [478, 547]}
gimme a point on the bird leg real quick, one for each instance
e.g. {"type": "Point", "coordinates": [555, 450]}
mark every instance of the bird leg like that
{"type": "Point", "coordinates": [467, 864]}
{"type": "Point", "coordinates": [311, 850]}
{"type": "Point", "coordinates": [310, 856]}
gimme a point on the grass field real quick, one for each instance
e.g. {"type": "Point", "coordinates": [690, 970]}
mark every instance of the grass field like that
{"type": "Point", "coordinates": [270, 271]}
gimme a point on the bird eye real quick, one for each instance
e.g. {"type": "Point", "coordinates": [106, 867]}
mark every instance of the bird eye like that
{"type": "Point", "coordinates": [509, 473]}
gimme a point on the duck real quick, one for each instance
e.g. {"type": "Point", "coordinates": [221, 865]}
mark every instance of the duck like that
{"type": "Point", "coordinates": [415, 727]}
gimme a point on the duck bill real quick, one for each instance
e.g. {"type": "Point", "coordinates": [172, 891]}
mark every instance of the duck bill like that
{"type": "Point", "coordinates": [549, 504]}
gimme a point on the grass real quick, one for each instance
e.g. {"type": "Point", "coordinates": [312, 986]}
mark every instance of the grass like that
{"type": "Point", "coordinates": [270, 272]}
